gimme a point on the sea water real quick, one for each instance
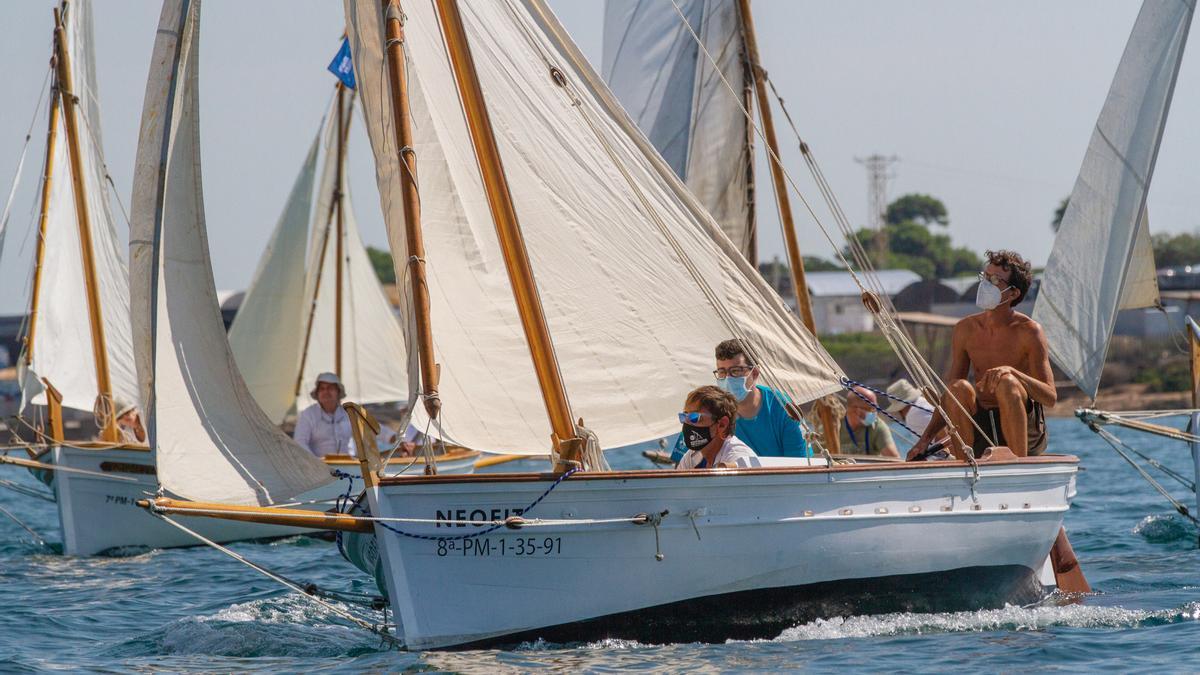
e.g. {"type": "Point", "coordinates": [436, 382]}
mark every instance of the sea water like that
{"type": "Point", "coordinates": [197, 609]}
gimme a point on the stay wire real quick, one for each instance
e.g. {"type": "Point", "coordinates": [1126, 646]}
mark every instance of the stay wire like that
{"type": "Point", "coordinates": [1116, 444]}
{"type": "Point", "coordinates": [304, 591]}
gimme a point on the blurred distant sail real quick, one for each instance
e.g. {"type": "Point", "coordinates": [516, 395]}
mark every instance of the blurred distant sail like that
{"type": "Point", "coordinates": [669, 86]}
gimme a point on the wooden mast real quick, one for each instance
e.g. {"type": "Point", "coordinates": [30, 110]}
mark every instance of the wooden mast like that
{"type": "Point", "coordinates": [341, 230]}
{"type": "Point", "coordinates": [512, 242]}
{"type": "Point", "coordinates": [334, 204]}
{"type": "Point", "coordinates": [795, 260]}
{"type": "Point", "coordinates": [47, 180]}
{"type": "Point", "coordinates": [99, 348]}
{"type": "Point", "coordinates": [414, 237]}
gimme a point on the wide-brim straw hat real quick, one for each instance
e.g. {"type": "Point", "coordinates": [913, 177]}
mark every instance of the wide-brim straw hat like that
{"type": "Point", "coordinates": [330, 378]}
{"type": "Point", "coordinates": [905, 391]}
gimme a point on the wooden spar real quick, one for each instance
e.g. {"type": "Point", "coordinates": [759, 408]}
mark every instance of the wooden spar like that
{"type": "Point", "coordinates": [40, 255]}
{"type": "Point", "coordinates": [99, 348]}
{"type": "Point", "coordinates": [1194, 344]}
{"type": "Point", "coordinates": [313, 520]}
{"type": "Point", "coordinates": [784, 201]}
{"type": "Point", "coordinates": [512, 242]}
{"type": "Point", "coordinates": [414, 237]}
{"type": "Point", "coordinates": [312, 307]}
{"type": "Point", "coordinates": [341, 230]}
{"type": "Point", "coordinates": [54, 413]}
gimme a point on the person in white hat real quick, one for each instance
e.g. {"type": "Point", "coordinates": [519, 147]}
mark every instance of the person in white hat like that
{"type": "Point", "coordinates": [909, 405]}
{"type": "Point", "coordinates": [129, 423]}
{"type": "Point", "coordinates": [324, 428]}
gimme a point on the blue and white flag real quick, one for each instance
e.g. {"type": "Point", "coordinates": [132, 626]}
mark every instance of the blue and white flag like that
{"type": "Point", "coordinates": [342, 65]}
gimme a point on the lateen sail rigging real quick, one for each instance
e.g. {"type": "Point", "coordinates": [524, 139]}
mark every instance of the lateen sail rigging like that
{"type": "Point", "coordinates": [269, 332]}
{"type": "Point", "coordinates": [62, 349]}
{"type": "Point", "coordinates": [636, 286]}
{"type": "Point", "coordinates": [671, 89]}
{"type": "Point", "coordinates": [213, 443]}
{"type": "Point", "coordinates": [373, 349]}
{"type": "Point", "coordinates": [1106, 219]}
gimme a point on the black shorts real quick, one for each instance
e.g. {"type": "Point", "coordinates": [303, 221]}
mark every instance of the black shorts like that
{"type": "Point", "coordinates": [988, 419]}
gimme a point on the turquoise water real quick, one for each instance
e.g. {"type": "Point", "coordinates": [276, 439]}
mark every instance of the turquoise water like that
{"type": "Point", "coordinates": [196, 609]}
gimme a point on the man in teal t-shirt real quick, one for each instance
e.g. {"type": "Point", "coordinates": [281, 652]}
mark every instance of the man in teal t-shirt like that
{"type": "Point", "coordinates": [763, 421]}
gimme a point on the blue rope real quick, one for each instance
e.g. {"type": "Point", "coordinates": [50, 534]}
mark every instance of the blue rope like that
{"type": "Point", "coordinates": [480, 533]}
{"type": "Point", "coordinates": [344, 503]}
{"type": "Point", "coordinates": [851, 384]}
{"type": "Point", "coordinates": [848, 383]}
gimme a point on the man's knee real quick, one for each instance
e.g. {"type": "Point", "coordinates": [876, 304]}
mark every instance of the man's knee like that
{"type": "Point", "coordinates": [1010, 390]}
{"type": "Point", "coordinates": [962, 390]}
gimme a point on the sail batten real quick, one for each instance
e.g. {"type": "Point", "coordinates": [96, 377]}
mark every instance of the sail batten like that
{"type": "Point", "coordinates": [635, 278]}
{"type": "Point", "coordinates": [1106, 216]}
{"type": "Point", "coordinates": [211, 440]}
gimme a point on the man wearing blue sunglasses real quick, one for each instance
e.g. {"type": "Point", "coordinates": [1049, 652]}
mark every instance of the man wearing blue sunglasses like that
{"type": "Point", "coordinates": [763, 421]}
{"type": "Point", "coordinates": [709, 419]}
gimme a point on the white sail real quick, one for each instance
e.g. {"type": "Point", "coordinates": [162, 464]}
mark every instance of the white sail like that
{"type": "Point", "coordinates": [1087, 276]}
{"type": "Point", "coordinates": [633, 272]}
{"type": "Point", "coordinates": [62, 349]}
{"type": "Point", "coordinates": [374, 368]}
{"type": "Point", "coordinates": [672, 90]}
{"type": "Point", "coordinates": [267, 333]}
{"type": "Point", "coordinates": [212, 441]}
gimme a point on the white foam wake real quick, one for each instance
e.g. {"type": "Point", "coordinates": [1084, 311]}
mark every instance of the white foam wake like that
{"type": "Point", "coordinates": [1009, 618]}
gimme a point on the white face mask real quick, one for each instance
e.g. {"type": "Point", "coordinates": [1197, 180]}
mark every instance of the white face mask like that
{"type": "Point", "coordinates": [988, 296]}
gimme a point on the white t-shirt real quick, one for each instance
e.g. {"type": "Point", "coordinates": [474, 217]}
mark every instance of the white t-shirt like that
{"type": "Point", "coordinates": [732, 452]}
{"type": "Point", "coordinates": [916, 418]}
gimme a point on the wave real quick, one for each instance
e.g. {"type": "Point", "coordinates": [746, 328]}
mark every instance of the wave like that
{"type": "Point", "coordinates": [1163, 529]}
{"type": "Point", "coordinates": [1010, 618]}
{"type": "Point", "coordinates": [283, 626]}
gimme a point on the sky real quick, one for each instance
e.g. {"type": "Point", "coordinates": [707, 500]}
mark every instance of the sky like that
{"type": "Point", "coordinates": [988, 105]}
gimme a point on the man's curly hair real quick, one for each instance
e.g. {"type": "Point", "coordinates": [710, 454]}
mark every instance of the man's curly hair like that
{"type": "Point", "coordinates": [1020, 272]}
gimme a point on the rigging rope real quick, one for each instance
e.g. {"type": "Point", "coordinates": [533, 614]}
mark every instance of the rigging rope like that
{"type": "Point", "coordinates": [306, 590]}
{"type": "Point", "coordinates": [12, 192]}
{"type": "Point", "coordinates": [883, 310]}
{"type": "Point", "coordinates": [1117, 445]}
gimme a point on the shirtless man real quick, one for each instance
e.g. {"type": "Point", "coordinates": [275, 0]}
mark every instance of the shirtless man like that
{"type": "Point", "coordinates": [1011, 361]}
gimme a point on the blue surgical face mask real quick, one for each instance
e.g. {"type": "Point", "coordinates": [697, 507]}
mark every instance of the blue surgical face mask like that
{"type": "Point", "coordinates": [869, 419]}
{"type": "Point", "coordinates": [735, 386]}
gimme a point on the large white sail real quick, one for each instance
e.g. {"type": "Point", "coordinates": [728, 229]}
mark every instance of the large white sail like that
{"type": "Point", "coordinates": [62, 349]}
{"type": "Point", "coordinates": [374, 368]}
{"type": "Point", "coordinates": [633, 272]}
{"type": "Point", "coordinates": [1097, 266]}
{"type": "Point", "coordinates": [672, 90]}
{"type": "Point", "coordinates": [212, 441]}
{"type": "Point", "coordinates": [267, 333]}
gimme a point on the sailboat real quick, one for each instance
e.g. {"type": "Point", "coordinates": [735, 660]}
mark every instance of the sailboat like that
{"type": "Point", "coordinates": [1102, 261]}
{"type": "Point", "coordinates": [308, 312]}
{"type": "Point", "coordinates": [78, 347]}
{"type": "Point", "coordinates": [574, 290]}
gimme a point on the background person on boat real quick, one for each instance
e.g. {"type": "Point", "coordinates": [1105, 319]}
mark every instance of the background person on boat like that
{"type": "Point", "coordinates": [909, 404]}
{"type": "Point", "coordinates": [1010, 358]}
{"type": "Point", "coordinates": [324, 428]}
{"type": "Point", "coordinates": [863, 431]}
{"type": "Point", "coordinates": [709, 419]}
{"type": "Point", "coordinates": [129, 423]}
{"type": "Point", "coordinates": [762, 418]}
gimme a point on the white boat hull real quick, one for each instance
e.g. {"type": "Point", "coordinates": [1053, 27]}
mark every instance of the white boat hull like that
{"type": "Point", "coordinates": [768, 548]}
{"type": "Point", "coordinates": [99, 514]}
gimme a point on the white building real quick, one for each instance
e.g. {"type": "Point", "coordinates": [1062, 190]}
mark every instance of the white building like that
{"type": "Point", "coordinates": [837, 300]}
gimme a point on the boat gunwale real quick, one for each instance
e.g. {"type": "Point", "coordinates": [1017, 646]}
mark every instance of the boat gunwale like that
{"type": "Point", "coordinates": [525, 477]}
